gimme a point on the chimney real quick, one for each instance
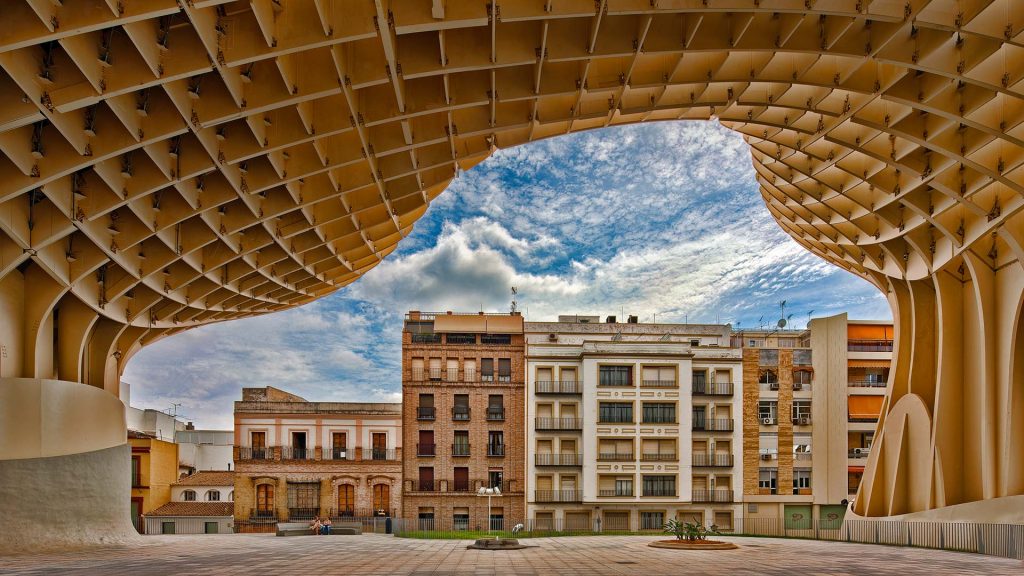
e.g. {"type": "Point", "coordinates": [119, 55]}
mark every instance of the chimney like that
{"type": "Point", "coordinates": [632, 319]}
{"type": "Point", "coordinates": [190, 426]}
{"type": "Point", "coordinates": [609, 320]}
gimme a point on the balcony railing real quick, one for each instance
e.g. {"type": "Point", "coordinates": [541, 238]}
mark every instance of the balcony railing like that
{"type": "Point", "coordinates": [296, 453]}
{"type": "Point", "coordinates": [460, 486]}
{"type": "Point", "coordinates": [461, 339]}
{"type": "Point", "coordinates": [434, 374]}
{"type": "Point", "coordinates": [496, 450]}
{"type": "Point", "coordinates": [460, 413]}
{"type": "Point", "coordinates": [263, 515]}
{"type": "Point", "coordinates": [712, 496]}
{"type": "Point", "coordinates": [866, 384]}
{"type": "Point", "coordinates": [460, 449]}
{"type": "Point", "coordinates": [669, 419]}
{"type": "Point", "coordinates": [558, 496]}
{"type": "Point", "coordinates": [557, 387]}
{"type": "Point", "coordinates": [558, 459]}
{"type": "Point", "coordinates": [426, 412]}
{"type": "Point", "coordinates": [659, 457]}
{"type": "Point", "coordinates": [451, 374]}
{"type": "Point", "coordinates": [255, 453]}
{"type": "Point", "coordinates": [469, 375]}
{"type": "Point", "coordinates": [378, 454]}
{"type": "Point", "coordinates": [869, 345]}
{"type": "Point", "coordinates": [668, 491]}
{"type": "Point", "coordinates": [712, 424]}
{"type": "Point", "coordinates": [559, 424]}
{"type": "Point", "coordinates": [615, 457]}
{"type": "Point", "coordinates": [426, 338]}
{"type": "Point", "coordinates": [616, 492]}
{"type": "Point", "coordinates": [658, 384]}
{"type": "Point", "coordinates": [426, 450]}
{"type": "Point", "coordinates": [495, 414]}
{"type": "Point", "coordinates": [713, 388]}
{"type": "Point", "coordinates": [712, 460]}
{"type": "Point", "coordinates": [340, 454]}
{"type": "Point", "coordinates": [424, 486]}
{"type": "Point", "coordinates": [496, 339]}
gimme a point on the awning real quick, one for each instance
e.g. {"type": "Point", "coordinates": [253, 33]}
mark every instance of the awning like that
{"type": "Point", "coordinates": [865, 407]}
{"type": "Point", "coordinates": [868, 363]}
{"type": "Point", "coordinates": [855, 469]}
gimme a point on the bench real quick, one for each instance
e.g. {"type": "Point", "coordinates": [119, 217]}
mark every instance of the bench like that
{"type": "Point", "coordinates": [303, 529]}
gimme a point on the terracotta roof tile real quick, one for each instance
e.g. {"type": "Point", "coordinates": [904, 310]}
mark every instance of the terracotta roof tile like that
{"type": "Point", "coordinates": [195, 509]}
{"type": "Point", "coordinates": [208, 478]}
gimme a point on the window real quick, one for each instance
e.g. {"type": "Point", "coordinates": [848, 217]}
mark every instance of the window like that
{"type": "Point", "coordinates": [460, 411]}
{"type": "Point", "coordinates": [210, 527]}
{"type": "Point", "coordinates": [265, 500]}
{"type": "Point", "coordinates": [425, 447]}
{"type": "Point", "coordinates": [699, 417]}
{"type": "Point", "coordinates": [766, 480]}
{"type": "Point", "coordinates": [213, 496]}
{"type": "Point", "coordinates": [461, 338]}
{"type": "Point", "coordinates": [659, 413]}
{"type": "Point", "coordinates": [435, 369]}
{"type": "Point", "coordinates": [801, 479]}
{"type": "Point", "coordinates": [768, 377]}
{"type": "Point", "coordinates": [659, 485]}
{"type": "Point", "coordinates": [425, 516]}
{"type": "Point", "coordinates": [380, 445]}
{"type": "Point", "coordinates": [461, 445]}
{"type": "Point", "coordinates": [339, 445]}
{"type": "Point", "coordinates": [188, 495]}
{"type": "Point", "coordinates": [615, 376]}
{"type": "Point", "coordinates": [652, 520]}
{"type": "Point", "coordinates": [767, 411]}
{"type": "Point", "coordinates": [303, 500]}
{"type": "Point", "coordinates": [136, 471]}
{"type": "Point", "coordinates": [461, 479]}
{"type": "Point", "coordinates": [496, 339]}
{"type": "Point", "coordinates": [487, 369]}
{"type": "Point", "coordinates": [494, 479]}
{"type": "Point", "coordinates": [425, 410]}
{"type": "Point", "coordinates": [381, 499]}
{"type": "Point", "coordinates": [497, 518]}
{"type": "Point", "coordinates": [802, 412]}
{"type": "Point", "coordinates": [723, 520]}
{"type": "Point", "coordinates": [346, 500]}
{"type": "Point", "coordinates": [460, 519]}
{"type": "Point", "coordinates": [616, 412]}
{"type": "Point", "coordinates": [504, 369]}
{"type": "Point", "coordinates": [495, 443]}
{"type": "Point", "coordinates": [167, 527]}
{"type": "Point", "coordinates": [495, 407]}
{"type": "Point", "coordinates": [700, 378]}
{"type": "Point", "coordinates": [426, 479]}
{"type": "Point", "coordinates": [658, 377]}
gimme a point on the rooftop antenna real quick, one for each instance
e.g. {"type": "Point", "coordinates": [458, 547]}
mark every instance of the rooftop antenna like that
{"type": "Point", "coordinates": [174, 408]}
{"type": "Point", "coordinates": [760, 322]}
{"type": "Point", "coordinates": [783, 319]}
{"type": "Point", "coordinates": [515, 305]}
{"type": "Point", "coordinates": [808, 323]}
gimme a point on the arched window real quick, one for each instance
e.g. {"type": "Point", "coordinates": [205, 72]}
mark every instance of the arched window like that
{"type": "Point", "coordinates": [346, 500]}
{"type": "Point", "coordinates": [231, 496]}
{"type": "Point", "coordinates": [381, 498]}
{"type": "Point", "coordinates": [188, 495]}
{"type": "Point", "coordinates": [213, 496]}
{"type": "Point", "coordinates": [265, 500]}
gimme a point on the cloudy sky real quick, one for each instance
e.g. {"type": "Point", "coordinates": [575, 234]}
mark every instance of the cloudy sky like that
{"type": "Point", "coordinates": [659, 219]}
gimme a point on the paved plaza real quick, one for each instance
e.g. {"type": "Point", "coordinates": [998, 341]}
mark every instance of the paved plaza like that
{"type": "Point", "coordinates": [260, 554]}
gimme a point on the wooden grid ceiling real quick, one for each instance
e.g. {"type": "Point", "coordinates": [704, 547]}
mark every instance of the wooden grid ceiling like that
{"type": "Point", "coordinates": [170, 163]}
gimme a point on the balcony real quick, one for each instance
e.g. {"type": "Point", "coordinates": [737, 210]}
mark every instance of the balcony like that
{"type": "Point", "coordinates": [670, 420]}
{"type": "Point", "coordinates": [558, 459]}
{"type": "Point", "coordinates": [712, 388]}
{"type": "Point", "coordinates": [659, 457]}
{"type": "Point", "coordinates": [616, 493]}
{"type": "Point", "coordinates": [496, 450]}
{"type": "Point", "coordinates": [615, 457]}
{"type": "Point", "coordinates": [869, 346]}
{"type": "Point", "coordinates": [495, 414]}
{"type": "Point", "coordinates": [659, 384]}
{"type": "Point", "coordinates": [423, 486]}
{"type": "Point", "coordinates": [426, 412]}
{"type": "Point", "coordinates": [460, 413]}
{"type": "Point", "coordinates": [378, 454]}
{"type": "Point", "coordinates": [296, 453]}
{"type": "Point", "coordinates": [340, 454]}
{"type": "Point", "coordinates": [460, 450]}
{"type": "Point", "coordinates": [712, 496]}
{"type": "Point", "coordinates": [558, 496]}
{"type": "Point", "coordinates": [496, 339]}
{"type": "Point", "coordinates": [557, 387]}
{"type": "Point", "coordinates": [461, 339]}
{"type": "Point", "coordinates": [434, 374]}
{"type": "Point", "coordinates": [712, 425]}
{"type": "Point", "coordinates": [662, 492]}
{"type": "Point", "coordinates": [460, 486]}
{"type": "Point", "coordinates": [866, 384]}
{"type": "Point", "coordinates": [426, 450]}
{"type": "Point", "coordinates": [712, 460]}
{"type": "Point", "coordinates": [558, 424]}
{"type": "Point", "coordinates": [255, 453]}
{"type": "Point", "coordinates": [426, 338]}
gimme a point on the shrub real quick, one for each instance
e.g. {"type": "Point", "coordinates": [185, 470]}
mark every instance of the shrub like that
{"type": "Point", "coordinates": [690, 531]}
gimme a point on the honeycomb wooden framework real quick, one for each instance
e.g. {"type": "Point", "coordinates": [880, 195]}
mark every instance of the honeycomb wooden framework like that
{"type": "Point", "coordinates": [170, 163]}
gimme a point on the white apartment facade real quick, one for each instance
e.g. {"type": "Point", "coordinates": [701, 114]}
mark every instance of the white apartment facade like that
{"type": "Point", "coordinates": [630, 425]}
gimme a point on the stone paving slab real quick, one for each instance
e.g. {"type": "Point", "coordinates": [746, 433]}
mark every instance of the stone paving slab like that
{"type": "Point", "coordinates": [372, 554]}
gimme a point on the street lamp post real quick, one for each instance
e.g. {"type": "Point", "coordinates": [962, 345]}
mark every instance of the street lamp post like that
{"type": "Point", "coordinates": [495, 491]}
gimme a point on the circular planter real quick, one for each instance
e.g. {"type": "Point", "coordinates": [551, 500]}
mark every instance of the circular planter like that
{"type": "Point", "coordinates": [693, 545]}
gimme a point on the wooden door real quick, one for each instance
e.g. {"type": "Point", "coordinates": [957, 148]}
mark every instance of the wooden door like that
{"type": "Point", "coordinates": [346, 500]}
{"type": "Point", "coordinates": [382, 498]}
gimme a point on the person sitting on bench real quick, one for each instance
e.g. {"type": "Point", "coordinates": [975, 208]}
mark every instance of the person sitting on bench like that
{"type": "Point", "coordinates": [315, 525]}
{"type": "Point", "coordinates": [325, 526]}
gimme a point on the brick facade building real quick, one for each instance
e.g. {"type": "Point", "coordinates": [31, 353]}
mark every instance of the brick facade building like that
{"type": "Point", "coordinates": [463, 415]}
{"type": "Point", "coordinates": [296, 459]}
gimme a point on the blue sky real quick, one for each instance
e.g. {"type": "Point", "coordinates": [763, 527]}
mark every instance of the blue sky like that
{"type": "Point", "coordinates": [656, 219]}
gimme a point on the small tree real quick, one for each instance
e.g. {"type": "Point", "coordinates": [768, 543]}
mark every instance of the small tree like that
{"type": "Point", "coordinates": [689, 531]}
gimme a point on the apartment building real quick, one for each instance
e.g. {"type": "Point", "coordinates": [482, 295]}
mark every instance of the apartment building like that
{"type": "Point", "coordinates": [154, 467]}
{"type": "Point", "coordinates": [462, 414]}
{"type": "Point", "coordinates": [631, 424]}
{"type": "Point", "coordinates": [296, 459]}
{"type": "Point", "coordinates": [811, 400]}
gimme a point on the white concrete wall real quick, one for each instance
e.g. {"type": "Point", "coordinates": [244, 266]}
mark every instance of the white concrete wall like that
{"type": "Point", "coordinates": [226, 493]}
{"type": "Point", "coordinates": [190, 525]}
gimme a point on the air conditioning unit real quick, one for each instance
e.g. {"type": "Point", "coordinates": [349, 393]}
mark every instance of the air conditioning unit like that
{"type": "Point", "coordinates": [767, 421]}
{"type": "Point", "coordinates": [805, 420]}
{"type": "Point", "coordinates": [773, 386]}
{"type": "Point", "coordinates": [766, 456]}
{"type": "Point", "coordinates": [552, 337]}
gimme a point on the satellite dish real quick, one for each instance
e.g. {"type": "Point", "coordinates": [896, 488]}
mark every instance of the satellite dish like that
{"type": "Point", "coordinates": [781, 323]}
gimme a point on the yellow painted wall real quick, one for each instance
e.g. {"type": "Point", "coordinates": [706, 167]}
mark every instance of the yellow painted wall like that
{"type": "Point", "coordinates": [158, 469]}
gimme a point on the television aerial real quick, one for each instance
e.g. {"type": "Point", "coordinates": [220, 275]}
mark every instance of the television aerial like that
{"type": "Point", "coordinates": [783, 319]}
